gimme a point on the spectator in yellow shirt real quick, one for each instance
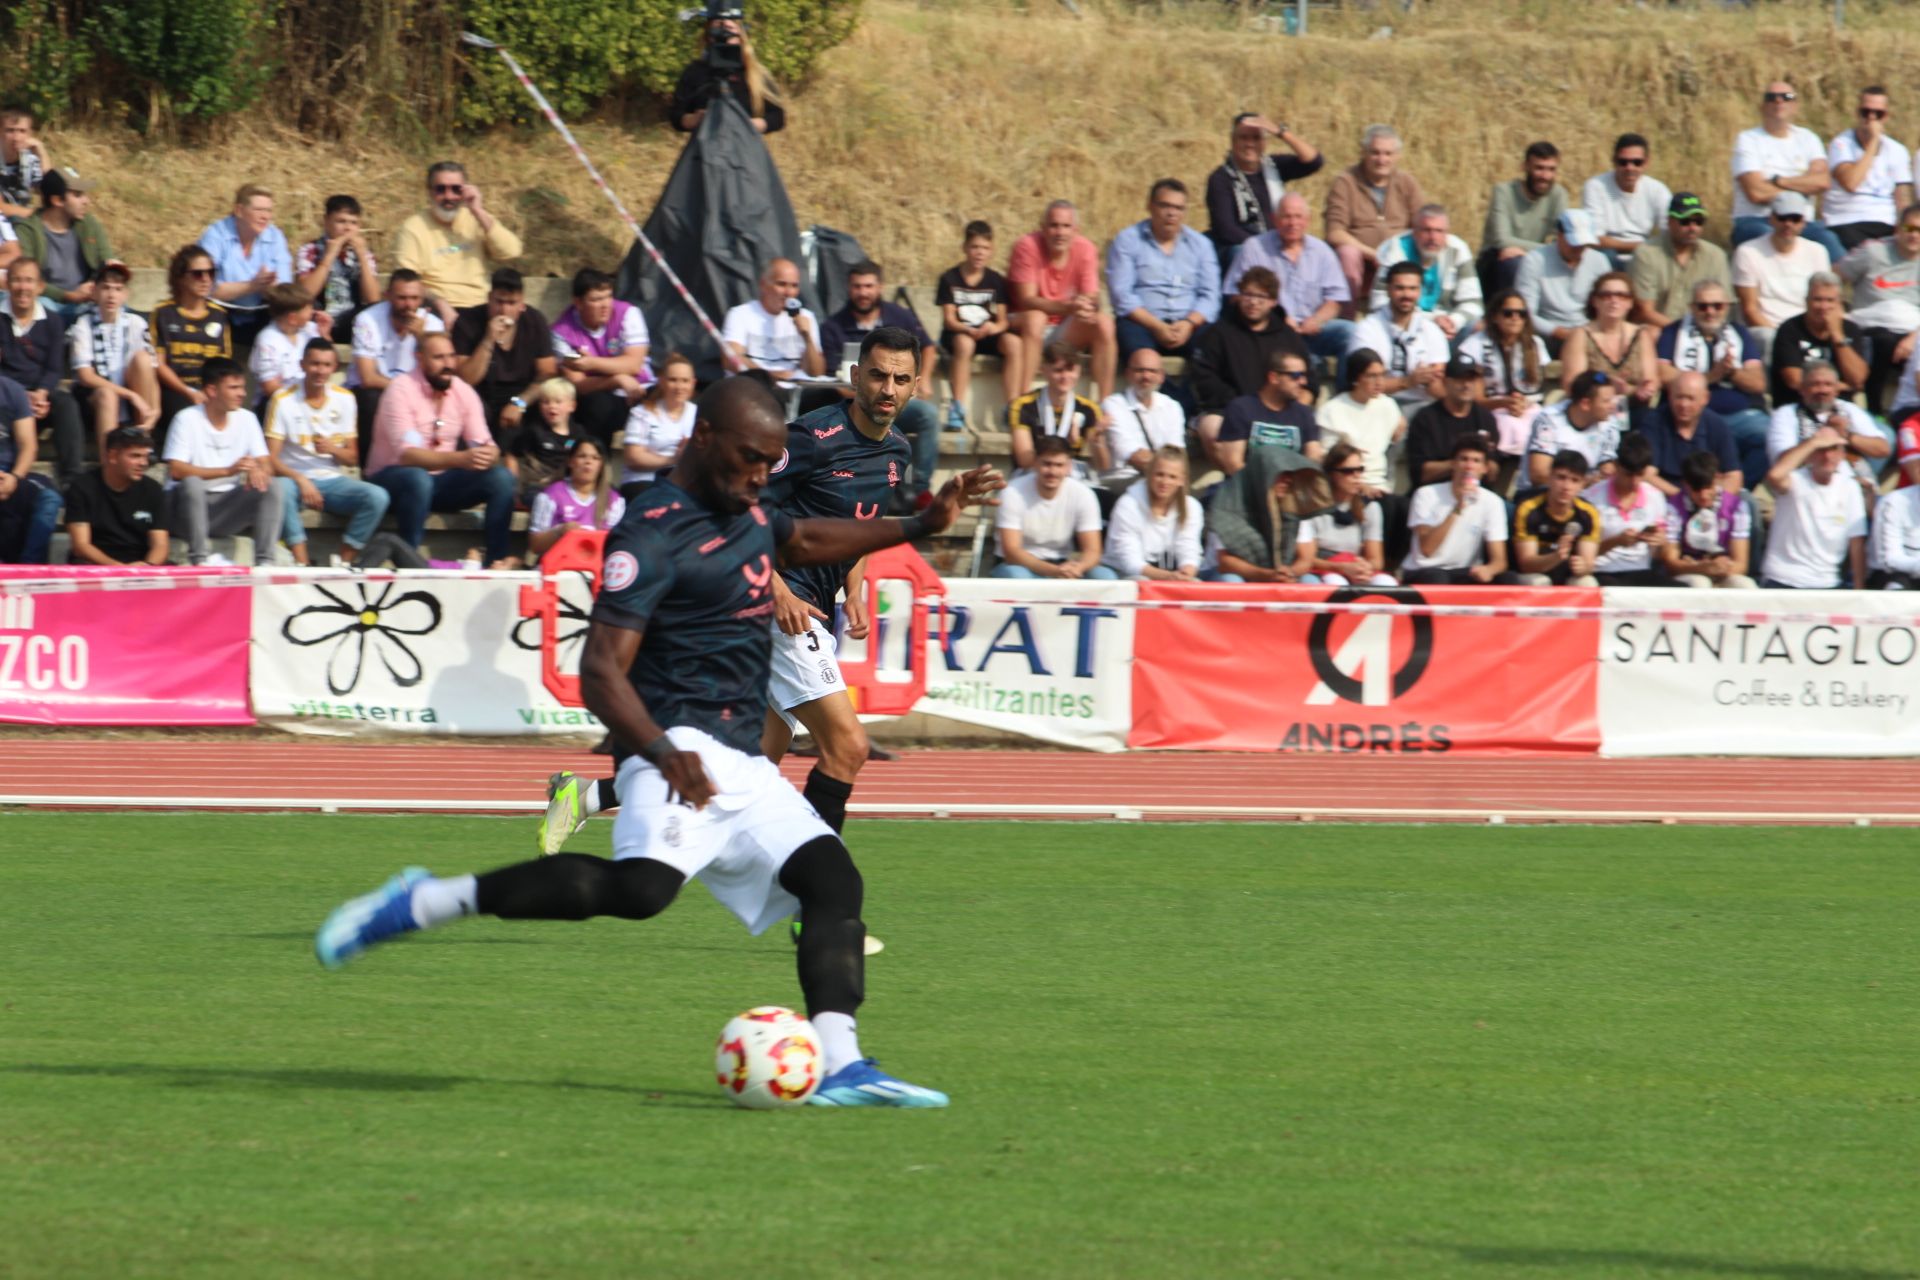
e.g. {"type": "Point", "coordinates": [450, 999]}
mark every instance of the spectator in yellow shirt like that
{"type": "Point", "coordinates": [455, 243]}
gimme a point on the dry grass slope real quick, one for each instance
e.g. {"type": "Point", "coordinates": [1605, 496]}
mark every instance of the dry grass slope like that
{"type": "Point", "coordinates": [933, 114]}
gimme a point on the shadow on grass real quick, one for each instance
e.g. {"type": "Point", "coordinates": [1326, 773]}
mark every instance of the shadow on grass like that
{"type": "Point", "coordinates": [351, 1079]}
{"type": "Point", "coordinates": [306, 935]}
{"type": "Point", "coordinates": [1648, 1260]}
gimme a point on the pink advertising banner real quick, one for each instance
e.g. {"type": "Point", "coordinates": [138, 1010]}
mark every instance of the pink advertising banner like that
{"type": "Point", "coordinates": [115, 651]}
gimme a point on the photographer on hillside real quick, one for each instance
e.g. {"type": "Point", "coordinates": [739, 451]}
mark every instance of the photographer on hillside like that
{"type": "Point", "coordinates": [726, 65]}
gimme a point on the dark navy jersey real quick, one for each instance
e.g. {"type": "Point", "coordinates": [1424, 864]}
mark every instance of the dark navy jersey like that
{"type": "Point", "coordinates": [699, 583]}
{"type": "Point", "coordinates": [831, 471]}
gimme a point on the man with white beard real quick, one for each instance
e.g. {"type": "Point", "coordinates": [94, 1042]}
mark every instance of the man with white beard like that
{"type": "Point", "coordinates": [455, 243]}
{"type": "Point", "coordinates": [1449, 285]}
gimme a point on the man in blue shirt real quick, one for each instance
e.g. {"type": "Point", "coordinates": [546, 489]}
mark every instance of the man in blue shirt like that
{"type": "Point", "coordinates": [250, 255]}
{"type": "Point", "coordinates": [1683, 425]}
{"type": "Point", "coordinates": [1163, 276]}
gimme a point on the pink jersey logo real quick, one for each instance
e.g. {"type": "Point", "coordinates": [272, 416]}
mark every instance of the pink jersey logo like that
{"type": "Point", "coordinates": [758, 574]}
{"type": "Point", "coordinates": [713, 545]}
{"type": "Point", "coordinates": [865, 511]}
{"type": "Point", "coordinates": [828, 433]}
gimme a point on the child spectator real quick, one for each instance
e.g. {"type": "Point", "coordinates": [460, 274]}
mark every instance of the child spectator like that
{"type": "Point", "coordinates": [1709, 528]}
{"type": "Point", "coordinates": [1055, 410]}
{"type": "Point", "coordinates": [112, 358]}
{"type": "Point", "coordinates": [1348, 541]}
{"type": "Point", "coordinates": [1513, 362]}
{"type": "Point", "coordinates": [659, 425]}
{"type": "Point", "coordinates": [1366, 417]}
{"type": "Point", "coordinates": [581, 499]}
{"type": "Point", "coordinates": [188, 331]}
{"type": "Point", "coordinates": [1049, 523]}
{"type": "Point", "coordinates": [1154, 532]}
{"type": "Point", "coordinates": [1633, 519]}
{"type": "Point", "coordinates": [337, 268]}
{"type": "Point", "coordinates": [1254, 517]}
{"type": "Point", "coordinates": [222, 473]}
{"type": "Point", "coordinates": [546, 439]}
{"type": "Point", "coordinates": [312, 435]}
{"type": "Point", "coordinates": [280, 347]}
{"type": "Point", "coordinates": [973, 298]}
{"type": "Point", "coordinates": [1279, 412]}
{"type": "Point", "coordinates": [1459, 528]}
{"type": "Point", "coordinates": [1556, 532]}
{"type": "Point", "coordinates": [116, 513]}
{"type": "Point", "coordinates": [1895, 554]}
{"type": "Point", "coordinates": [1819, 517]}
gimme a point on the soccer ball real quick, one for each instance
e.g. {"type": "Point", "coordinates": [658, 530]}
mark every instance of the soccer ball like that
{"type": "Point", "coordinates": [768, 1058]}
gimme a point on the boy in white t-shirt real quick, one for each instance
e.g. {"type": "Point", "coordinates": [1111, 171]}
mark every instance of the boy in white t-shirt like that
{"type": "Point", "coordinates": [111, 353]}
{"type": "Point", "coordinates": [1819, 517]}
{"type": "Point", "coordinates": [311, 434]}
{"type": "Point", "coordinates": [1049, 523]}
{"type": "Point", "coordinates": [278, 348]}
{"type": "Point", "coordinates": [221, 474]}
{"type": "Point", "coordinates": [1459, 528]}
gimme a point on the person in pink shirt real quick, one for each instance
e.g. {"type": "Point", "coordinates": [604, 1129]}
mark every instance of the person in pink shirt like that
{"type": "Point", "coordinates": [432, 450]}
{"type": "Point", "coordinates": [1054, 276]}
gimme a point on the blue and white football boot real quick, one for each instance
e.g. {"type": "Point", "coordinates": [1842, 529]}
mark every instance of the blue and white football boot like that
{"type": "Point", "coordinates": [357, 924]}
{"type": "Point", "coordinates": [864, 1084]}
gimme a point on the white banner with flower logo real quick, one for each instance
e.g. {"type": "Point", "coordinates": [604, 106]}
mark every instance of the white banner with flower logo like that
{"type": "Point", "coordinates": [426, 653]}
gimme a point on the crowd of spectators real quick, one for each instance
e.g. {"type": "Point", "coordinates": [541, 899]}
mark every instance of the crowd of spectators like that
{"type": "Point", "coordinates": [1597, 393]}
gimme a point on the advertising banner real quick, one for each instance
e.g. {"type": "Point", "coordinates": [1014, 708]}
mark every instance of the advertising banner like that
{"type": "Point", "coordinates": [1348, 684]}
{"type": "Point", "coordinates": [1051, 671]}
{"type": "Point", "coordinates": [127, 656]}
{"type": "Point", "coordinates": [1759, 685]}
{"type": "Point", "coordinates": [419, 654]}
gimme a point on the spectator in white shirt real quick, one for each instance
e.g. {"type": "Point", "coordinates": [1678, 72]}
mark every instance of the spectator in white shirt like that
{"type": "Point", "coordinates": [1627, 205]}
{"type": "Point", "coordinates": [1140, 421]}
{"type": "Point", "coordinates": [1459, 528]}
{"type": "Point", "coordinates": [767, 334]}
{"type": "Point", "coordinates": [1584, 422]}
{"type": "Point", "coordinates": [1556, 278]}
{"type": "Point", "coordinates": [1770, 274]}
{"type": "Point", "coordinates": [385, 337]}
{"type": "Point", "coordinates": [1895, 553]}
{"type": "Point", "coordinates": [1449, 285]}
{"type": "Point", "coordinates": [659, 426]}
{"type": "Point", "coordinates": [1348, 542]}
{"type": "Point", "coordinates": [1412, 342]}
{"type": "Point", "coordinates": [311, 437]}
{"type": "Point", "coordinates": [1154, 531]}
{"type": "Point", "coordinates": [221, 472]}
{"type": "Point", "coordinates": [1633, 519]}
{"type": "Point", "coordinates": [1819, 518]}
{"type": "Point", "coordinates": [111, 353]}
{"type": "Point", "coordinates": [280, 347]}
{"type": "Point", "coordinates": [1822, 409]}
{"type": "Point", "coordinates": [1366, 417]}
{"type": "Point", "coordinates": [1513, 369]}
{"type": "Point", "coordinates": [1778, 157]}
{"type": "Point", "coordinates": [1049, 523]}
{"type": "Point", "coordinates": [1872, 174]}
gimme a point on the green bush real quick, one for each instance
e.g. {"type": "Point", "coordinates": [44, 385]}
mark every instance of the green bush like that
{"type": "Point", "coordinates": [195, 59]}
{"type": "Point", "coordinates": [41, 59]}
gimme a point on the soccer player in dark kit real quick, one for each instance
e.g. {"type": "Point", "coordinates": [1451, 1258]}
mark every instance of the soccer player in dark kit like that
{"type": "Point", "coordinates": [676, 664]}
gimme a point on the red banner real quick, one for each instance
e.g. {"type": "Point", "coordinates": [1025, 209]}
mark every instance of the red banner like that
{"type": "Point", "coordinates": [125, 657]}
{"type": "Point", "coordinates": [1351, 684]}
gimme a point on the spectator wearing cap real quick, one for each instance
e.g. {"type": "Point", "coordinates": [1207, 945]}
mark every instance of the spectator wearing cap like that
{"type": "Point", "coordinates": [250, 256]}
{"type": "Point", "coordinates": [1521, 217]}
{"type": "Point", "coordinates": [1885, 275]}
{"type": "Point", "coordinates": [1458, 412]}
{"type": "Point", "coordinates": [1449, 285]}
{"type": "Point", "coordinates": [1893, 555]}
{"type": "Point", "coordinates": [221, 471]}
{"type": "Point", "coordinates": [111, 354]}
{"type": "Point", "coordinates": [506, 350]}
{"type": "Point", "coordinates": [1369, 204]}
{"type": "Point", "coordinates": [455, 242]}
{"type": "Point", "coordinates": [1231, 358]}
{"type": "Point", "coordinates": [67, 239]}
{"type": "Point", "coordinates": [1245, 190]}
{"type": "Point", "coordinates": [116, 512]}
{"type": "Point", "coordinates": [1683, 426]}
{"type": "Point", "coordinates": [1411, 340]}
{"type": "Point", "coordinates": [1770, 274]}
{"type": "Point", "coordinates": [1710, 341]}
{"type": "Point", "coordinates": [1313, 283]}
{"type": "Point", "coordinates": [1556, 278]}
{"type": "Point", "coordinates": [336, 267]}
{"type": "Point", "coordinates": [1872, 174]}
{"type": "Point", "coordinates": [1163, 276]}
{"type": "Point", "coordinates": [33, 352]}
{"type": "Point", "coordinates": [1778, 157]}
{"type": "Point", "coordinates": [1459, 527]}
{"type": "Point", "coordinates": [1626, 202]}
{"type": "Point", "coordinates": [1048, 522]}
{"type": "Point", "coordinates": [1821, 333]}
{"type": "Point", "coordinates": [29, 507]}
{"type": "Point", "coordinates": [1513, 370]}
{"type": "Point", "coordinates": [1556, 532]}
{"type": "Point", "coordinates": [1666, 268]}
{"type": "Point", "coordinates": [1709, 528]}
{"type": "Point", "coordinates": [1819, 518]}
{"type": "Point", "coordinates": [1585, 422]}
{"type": "Point", "coordinates": [1633, 519]}
{"type": "Point", "coordinates": [1141, 421]}
{"type": "Point", "coordinates": [1280, 412]}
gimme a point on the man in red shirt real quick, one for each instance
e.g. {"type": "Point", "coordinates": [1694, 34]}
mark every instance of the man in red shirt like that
{"type": "Point", "coordinates": [1055, 279]}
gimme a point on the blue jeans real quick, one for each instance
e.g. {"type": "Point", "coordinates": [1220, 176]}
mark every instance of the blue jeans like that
{"type": "Point", "coordinates": [27, 519]}
{"type": "Point", "coordinates": [342, 495]}
{"type": "Point", "coordinates": [415, 492]}
{"type": "Point", "coordinates": [1749, 428]}
{"type": "Point", "coordinates": [1099, 572]}
{"type": "Point", "coordinates": [1745, 229]}
{"type": "Point", "coordinates": [920, 423]}
{"type": "Point", "coordinates": [1331, 343]}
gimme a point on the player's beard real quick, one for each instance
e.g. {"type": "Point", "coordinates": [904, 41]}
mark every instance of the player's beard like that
{"type": "Point", "coordinates": [881, 419]}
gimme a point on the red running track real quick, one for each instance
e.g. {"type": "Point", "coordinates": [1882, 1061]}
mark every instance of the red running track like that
{"type": "Point", "coordinates": [426, 776]}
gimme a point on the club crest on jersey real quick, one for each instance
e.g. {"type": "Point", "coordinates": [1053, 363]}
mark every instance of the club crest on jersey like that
{"type": "Point", "coordinates": [758, 574]}
{"type": "Point", "coordinates": [829, 433]}
{"type": "Point", "coordinates": [781, 465]}
{"type": "Point", "coordinates": [893, 472]}
{"type": "Point", "coordinates": [619, 571]}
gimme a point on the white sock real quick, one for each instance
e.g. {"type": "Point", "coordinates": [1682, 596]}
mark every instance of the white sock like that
{"type": "Point", "coordinates": [590, 798]}
{"type": "Point", "coordinates": [839, 1039]}
{"type": "Point", "coordinates": [437, 901]}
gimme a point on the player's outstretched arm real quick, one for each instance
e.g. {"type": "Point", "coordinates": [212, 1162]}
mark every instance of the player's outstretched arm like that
{"type": "Point", "coordinates": [608, 693]}
{"type": "Point", "coordinates": [832, 541]}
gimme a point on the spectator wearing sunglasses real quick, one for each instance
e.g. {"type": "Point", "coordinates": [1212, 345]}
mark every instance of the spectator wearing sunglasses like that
{"type": "Point", "coordinates": [1666, 268]}
{"type": "Point", "coordinates": [1872, 174]}
{"type": "Point", "coordinates": [1348, 540]}
{"type": "Point", "coordinates": [455, 243]}
{"type": "Point", "coordinates": [1770, 275]}
{"type": "Point", "coordinates": [1626, 203]}
{"type": "Point", "coordinates": [1280, 412]}
{"type": "Point", "coordinates": [1513, 362]}
{"type": "Point", "coordinates": [1231, 358]}
{"type": "Point", "coordinates": [1885, 275]}
{"type": "Point", "coordinates": [188, 330]}
{"type": "Point", "coordinates": [1774, 158]}
{"type": "Point", "coordinates": [1709, 341]}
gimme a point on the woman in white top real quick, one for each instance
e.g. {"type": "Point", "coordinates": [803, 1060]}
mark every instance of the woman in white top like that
{"type": "Point", "coordinates": [1366, 417]}
{"type": "Point", "coordinates": [1612, 344]}
{"type": "Point", "coordinates": [659, 425]}
{"type": "Point", "coordinates": [1154, 531]}
{"type": "Point", "coordinates": [1513, 363]}
{"type": "Point", "coordinates": [1349, 542]}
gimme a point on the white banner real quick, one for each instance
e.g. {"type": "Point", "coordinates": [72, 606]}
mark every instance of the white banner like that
{"type": "Point", "coordinates": [1670, 686]}
{"type": "Point", "coordinates": [422, 654]}
{"type": "Point", "coordinates": [1058, 673]}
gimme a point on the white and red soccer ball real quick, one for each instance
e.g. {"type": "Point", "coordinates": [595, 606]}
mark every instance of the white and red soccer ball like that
{"type": "Point", "coordinates": [769, 1058]}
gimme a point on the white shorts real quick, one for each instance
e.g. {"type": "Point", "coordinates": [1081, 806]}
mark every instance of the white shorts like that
{"type": "Point", "coordinates": [737, 844]}
{"type": "Point", "coordinates": [806, 668]}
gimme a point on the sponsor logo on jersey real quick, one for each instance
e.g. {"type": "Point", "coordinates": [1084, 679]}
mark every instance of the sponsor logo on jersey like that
{"type": "Point", "coordinates": [829, 433]}
{"type": "Point", "coordinates": [712, 545]}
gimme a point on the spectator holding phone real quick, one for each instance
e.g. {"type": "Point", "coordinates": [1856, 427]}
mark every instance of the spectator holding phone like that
{"type": "Point", "coordinates": [1556, 532]}
{"type": "Point", "coordinates": [1633, 519]}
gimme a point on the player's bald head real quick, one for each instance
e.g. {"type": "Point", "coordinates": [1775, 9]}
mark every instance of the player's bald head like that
{"type": "Point", "coordinates": [741, 404]}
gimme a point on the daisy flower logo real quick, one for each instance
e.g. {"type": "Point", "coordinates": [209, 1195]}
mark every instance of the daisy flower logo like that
{"type": "Point", "coordinates": [371, 617]}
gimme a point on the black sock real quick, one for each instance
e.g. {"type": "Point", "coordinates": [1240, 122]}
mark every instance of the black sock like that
{"type": "Point", "coordinates": [575, 886]}
{"type": "Point", "coordinates": [608, 800]}
{"type": "Point", "coordinates": [828, 796]}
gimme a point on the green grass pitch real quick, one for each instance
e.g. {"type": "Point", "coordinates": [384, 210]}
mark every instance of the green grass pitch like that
{"type": "Point", "coordinates": [1174, 1051]}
